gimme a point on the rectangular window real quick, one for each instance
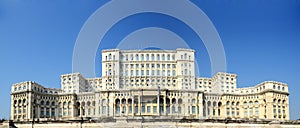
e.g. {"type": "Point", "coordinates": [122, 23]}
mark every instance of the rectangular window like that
{"type": "Point", "coordinates": [168, 65]}
{"type": "Point", "coordinates": [256, 111]}
{"type": "Point", "coordinates": [131, 72]}
{"type": "Point", "coordinates": [154, 109]}
{"type": "Point", "coordinates": [47, 112]}
{"type": "Point", "coordinates": [136, 109]}
{"type": "Point", "coordinates": [130, 109]}
{"type": "Point", "coordinates": [251, 111]}
{"type": "Point", "coordinates": [143, 109]}
{"type": "Point", "coordinates": [103, 109]}
{"type": "Point", "coordinates": [148, 109]}
{"type": "Point", "coordinates": [228, 111]}
{"type": "Point", "coordinates": [118, 110]}
{"type": "Point", "coordinates": [52, 112]}
{"type": "Point", "coordinates": [60, 112]}
{"type": "Point", "coordinates": [42, 112]}
{"type": "Point", "coordinates": [179, 109]}
{"type": "Point", "coordinates": [142, 72]}
{"type": "Point", "coordinates": [232, 112]}
{"type": "Point", "coordinates": [158, 66]}
{"type": "Point", "coordinates": [245, 112]}
{"type": "Point", "coordinates": [193, 110]}
{"type": "Point", "coordinates": [124, 109]}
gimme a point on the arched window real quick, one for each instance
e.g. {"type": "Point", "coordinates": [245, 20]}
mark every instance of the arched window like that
{"type": "Point", "coordinates": [109, 56]}
{"type": "Point", "coordinates": [152, 56]}
{"type": "Point", "coordinates": [47, 103]}
{"type": "Point", "coordinates": [173, 101]}
{"type": "Point", "coordinates": [147, 56]}
{"type": "Point", "coordinates": [227, 103]}
{"type": "Point", "coordinates": [179, 101]}
{"type": "Point", "coordinates": [136, 57]}
{"type": "Point", "coordinates": [256, 102]}
{"type": "Point", "coordinates": [251, 103]}
{"type": "Point", "coordinates": [123, 101]}
{"type": "Point", "coordinates": [142, 57]}
{"type": "Point", "coordinates": [42, 102]}
{"type": "Point", "coordinates": [168, 57]}
{"type": "Point", "coordinates": [245, 104]}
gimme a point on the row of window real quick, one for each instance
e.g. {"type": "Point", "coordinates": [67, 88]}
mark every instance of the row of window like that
{"type": "Point", "coordinates": [147, 80]}
{"type": "Point", "coordinates": [279, 88]}
{"type": "Point", "coordinates": [126, 66]}
{"type": "Point", "coordinates": [148, 72]}
{"type": "Point", "coordinates": [147, 57]}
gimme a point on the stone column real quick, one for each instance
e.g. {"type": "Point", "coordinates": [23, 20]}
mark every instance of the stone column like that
{"type": "Point", "coordinates": [38, 111]}
{"type": "Point", "coordinates": [269, 104]}
{"type": "Point", "coordinates": [108, 105]}
{"type": "Point", "coordinates": [287, 109]}
{"type": "Point", "coordinates": [139, 105]}
{"type": "Point", "coordinates": [12, 108]}
{"type": "Point", "coordinates": [132, 107]}
{"type": "Point", "coordinates": [261, 110]}
{"type": "Point", "coordinates": [158, 105]}
{"type": "Point", "coordinates": [29, 106]}
{"type": "Point", "coordinates": [200, 108]}
{"type": "Point", "coordinates": [165, 105]}
{"type": "Point", "coordinates": [97, 97]}
{"type": "Point", "coordinates": [127, 107]}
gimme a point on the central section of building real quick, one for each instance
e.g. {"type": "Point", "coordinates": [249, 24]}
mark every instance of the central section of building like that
{"type": "Point", "coordinates": [149, 83]}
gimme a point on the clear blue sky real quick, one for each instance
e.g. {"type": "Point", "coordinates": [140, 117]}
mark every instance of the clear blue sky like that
{"type": "Point", "coordinates": [261, 40]}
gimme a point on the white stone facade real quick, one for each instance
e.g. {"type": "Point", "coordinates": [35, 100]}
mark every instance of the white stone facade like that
{"type": "Point", "coordinates": [158, 83]}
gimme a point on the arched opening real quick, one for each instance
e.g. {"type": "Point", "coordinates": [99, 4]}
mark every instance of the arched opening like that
{"type": "Point", "coordinates": [214, 108]}
{"type": "Point", "coordinates": [173, 101]}
{"type": "Point", "coordinates": [78, 108]}
{"type": "Point", "coordinates": [123, 101]}
{"type": "Point", "coordinates": [117, 101]}
{"type": "Point", "coordinates": [129, 101]}
{"type": "Point", "coordinates": [219, 108]}
{"type": "Point", "coordinates": [42, 102]}
{"type": "Point", "coordinates": [179, 101]}
{"type": "Point", "coordinates": [208, 108]}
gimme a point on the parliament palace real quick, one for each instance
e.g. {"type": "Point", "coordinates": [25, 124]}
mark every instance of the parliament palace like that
{"type": "Point", "coordinates": [149, 83]}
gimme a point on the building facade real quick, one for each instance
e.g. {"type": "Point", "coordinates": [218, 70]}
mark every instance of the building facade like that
{"type": "Point", "coordinates": [153, 83]}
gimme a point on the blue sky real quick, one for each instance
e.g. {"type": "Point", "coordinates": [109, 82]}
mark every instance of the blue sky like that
{"type": "Point", "coordinates": [261, 40]}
